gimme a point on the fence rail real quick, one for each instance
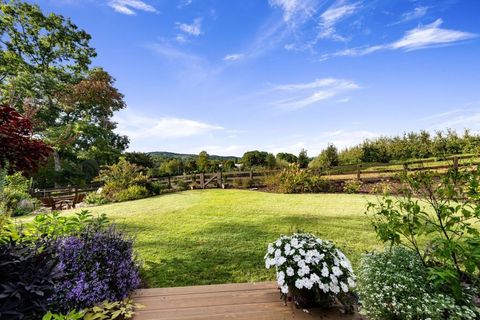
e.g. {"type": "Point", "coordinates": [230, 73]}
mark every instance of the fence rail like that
{"type": "Point", "coordinates": [221, 179]}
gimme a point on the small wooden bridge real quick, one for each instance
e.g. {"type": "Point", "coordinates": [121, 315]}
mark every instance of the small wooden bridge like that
{"type": "Point", "coordinates": [259, 301]}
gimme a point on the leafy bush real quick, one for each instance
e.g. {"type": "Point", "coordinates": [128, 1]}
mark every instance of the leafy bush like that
{"type": "Point", "coordinates": [27, 277]}
{"type": "Point", "coordinates": [446, 208]}
{"type": "Point", "coordinates": [97, 265]}
{"type": "Point", "coordinates": [94, 198]}
{"type": "Point", "coordinates": [395, 285]}
{"type": "Point", "coordinates": [121, 310]}
{"type": "Point", "coordinates": [310, 269]}
{"type": "Point", "coordinates": [119, 177]}
{"type": "Point", "coordinates": [133, 192]}
{"type": "Point", "coordinates": [352, 186]}
{"type": "Point", "coordinates": [295, 180]}
{"type": "Point", "coordinates": [72, 315]}
{"type": "Point", "coordinates": [382, 187]}
{"type": "Point", "coordinates": [14, 197]}
{"type": "Point", "coordinates": [181, 185]}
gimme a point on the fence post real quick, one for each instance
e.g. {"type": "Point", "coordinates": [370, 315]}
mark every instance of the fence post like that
{"type": "Point", "coordinates": [169, 183]}
{"type": "Point", "coordinates": [251, 174]}
{"type": "Point", "coordinates": [359, 172]}
{"type": "Point", "coordinates": [455, 163]}
{"type": "Point", "coordinates": [202, 180]}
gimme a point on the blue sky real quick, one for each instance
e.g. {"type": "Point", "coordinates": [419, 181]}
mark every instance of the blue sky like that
{"type": "Point", "coordinates": [281, 75]}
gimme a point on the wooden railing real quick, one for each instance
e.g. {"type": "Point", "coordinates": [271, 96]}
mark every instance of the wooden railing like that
{"type": "Point", "coordinates": [342, 173]}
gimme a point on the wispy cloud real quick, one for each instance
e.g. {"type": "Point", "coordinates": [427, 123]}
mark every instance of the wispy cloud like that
{"type": "Point", "coordinates": [295, 10]}
{"type": "Point", "coordinates": [184, 3]}
{"type": "Point", "coordinates": [416, 13]}
{"type": "Point", "coordinates": [421, 37]}
{"type": "Point", "coordinates": [129, 7]}
{"type": "Point", "coordinates": [142, 127]}
{"type": "Point", "coordinates": [233, 57]}
{"type": "Point", "coordinates": [194, 29]}
{"type": "Point", "coordinates": [331, 17]}
{"type": "Point", "coordinates": [299, 95]}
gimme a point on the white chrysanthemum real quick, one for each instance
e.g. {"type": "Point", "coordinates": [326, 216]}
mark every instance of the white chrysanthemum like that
{"type": "Point", "coordinates": [270, 249]}
{"type": "Point", "coordinates": [334, 288]}
{"type": "Point", "coordinates": [307, 283]}
{"type": "Point", "coordinates": [290, 271]}
{"type": "Point", "coordinates": [336, 271]}
{"type": "Point", "coordinates": [314, 277]}
{"type": "Point", "coordinates": [325, 271]}
{"type": "Point", "coordinates": [294, 242]}
{"type": "Point", "coordinates": [299, 284]}
{"type": "Point", "coordinates": [351, 282]}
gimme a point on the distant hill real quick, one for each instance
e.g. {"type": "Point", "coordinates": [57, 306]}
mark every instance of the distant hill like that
{"type": "Point", "coordinates": [173, 155]}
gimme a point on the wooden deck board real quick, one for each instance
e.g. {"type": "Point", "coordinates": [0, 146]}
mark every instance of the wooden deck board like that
{"type": "Point", "coordinates": [259, 301]}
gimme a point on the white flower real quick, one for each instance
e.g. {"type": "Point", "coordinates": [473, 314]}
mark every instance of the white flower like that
{"type": "Point", "coordinates": [296, 258]}
{"type": "Point", "coordinates": [269, 263]}
{"type": "Point", "coordinates": [278, 243]}
{"type": "Point", "coordinates": [290, 271]}
{"type": "Point", "coordinates": [336, 271]}
{"type": "Point", "coordinates": [278, 253]}
{"type": "Point", "coordinates": [334, 288]}
{"type": "Point", "coordinates": [301, 272]}
{"type": "Point", "coordinates": [287, 248]}
{"type": "Point", "coordinates": [299, 284]}
{"type": "Point", "coordinates": [302, 252]}
{"type": "Point", "coordinates": [294, 242]}
{"type": "Point", "coordinates": [301, 264]}
{"type": "Point", "coordinates": [344, 287]}
{"type": "Point", "coordinates": [270, 249]}
{"type": "Point", "coordinates": [284, 289]}
{"type": "Point", "coordinates": [314, 277]}
{"type": "Point", "coordinates": [333, 278]}
{"type": "Point", "coordinates": [325, 272]}
{"type": "Point", "coordinates": [307, 283]}
{"type": "Point", "coordinates": [351, 282]}
{"type": "Point", "coordinates": [281, 260]}
{"type": "Point", "coordinates": [324, 287]}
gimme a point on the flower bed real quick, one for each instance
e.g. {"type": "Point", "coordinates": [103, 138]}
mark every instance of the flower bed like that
{"type": "Point", "coordinates": [311, 271]}
{"type": "Point", "coordinates": [65, 267]}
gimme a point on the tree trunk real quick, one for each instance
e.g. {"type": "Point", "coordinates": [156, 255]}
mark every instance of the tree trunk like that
{"type": "Point", "coordinates": [57, 166]}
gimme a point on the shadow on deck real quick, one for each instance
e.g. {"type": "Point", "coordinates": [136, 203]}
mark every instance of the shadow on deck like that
{"type": "Point", "coordinates": [259, 301]}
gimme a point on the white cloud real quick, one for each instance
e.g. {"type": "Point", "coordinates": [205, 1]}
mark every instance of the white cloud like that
{"type": "Point", "coordinates": [233, 57]}
{"type": "Point", "coordinates": [294, 10]}
{"type": "Point", "coordinates": [417, 13]}
{"type": "Point", "coordinates": [184, 3]}
{"type": "Point", "coordinates": [421, 37]}
{"type": "Point", "coordinates": [194, 29]}
{"type": "Point", "coordinates": [430, 35]}
{"type": "Point", "coordinates": [129, 7]}
{"type": "Point", "coordinates": [181, 38]}
{"type": "Point", "coordinates": [300, 95]}
{"type": "Point", "coordinates": [331, 17]}
{"type": "Point", "coordinates": [141, 127]}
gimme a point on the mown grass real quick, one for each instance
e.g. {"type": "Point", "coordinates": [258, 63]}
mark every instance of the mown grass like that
{"type": "Point", "coordinates": [220, 236]}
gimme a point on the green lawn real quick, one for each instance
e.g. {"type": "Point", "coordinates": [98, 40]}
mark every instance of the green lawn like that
{"type": "Point", "coordinates": [220, 236]}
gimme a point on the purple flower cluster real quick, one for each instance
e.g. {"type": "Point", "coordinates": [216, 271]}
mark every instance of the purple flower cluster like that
{"type": "Point", "coordinates": [97, 265]}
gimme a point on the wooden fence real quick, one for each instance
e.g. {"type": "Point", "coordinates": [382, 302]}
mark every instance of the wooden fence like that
{"type": "Point", "coordinates": [223, 179]}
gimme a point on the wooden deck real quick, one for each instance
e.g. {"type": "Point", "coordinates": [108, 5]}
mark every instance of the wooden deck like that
{"type": "Point", "coordinates": [259, 301]}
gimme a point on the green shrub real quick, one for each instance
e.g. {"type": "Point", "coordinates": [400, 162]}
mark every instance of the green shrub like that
{"type": "Point", "coordinates": [395, 285]}
{"type": "Point", "coordinates": [119, 177]}
{"type": "Point", "coordinates": [181, 185]}
{"type": "Point", "coordinates": [382, 187]}
{"type": "Point", "coordinates": [156, 187]}
{"type": "Point", "coordinates": [352, 186]}
{"type": "Point", "coordinates": [445, 209]}
{"type": "Point", "coordinates": [123, 309]}
{"type": "Point", "coordinates": [131, 193]}
{"type": "Point", "coordinates": [14, 197]}
{"type": "Point", "coordinates": [295, 180]}
{"type": "Point", "coordinates": [243, 183]}
{"type": "Point", "coordinates": [94, 198]}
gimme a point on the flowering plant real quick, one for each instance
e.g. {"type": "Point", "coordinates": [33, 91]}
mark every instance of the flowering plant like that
{"type": "Point", "coordinates": [310, 270]}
